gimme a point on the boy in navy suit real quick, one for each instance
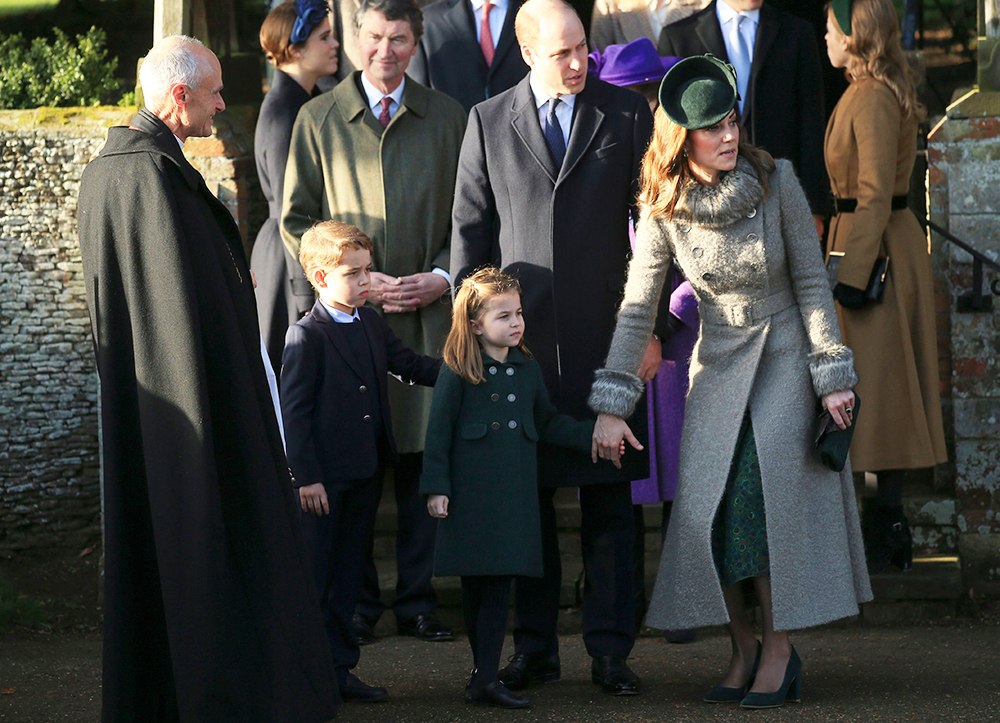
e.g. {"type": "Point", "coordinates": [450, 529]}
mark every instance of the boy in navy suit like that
{"type": "Point", "coordinates": [338, 429]}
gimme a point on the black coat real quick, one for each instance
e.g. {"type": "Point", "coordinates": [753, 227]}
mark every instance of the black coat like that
{"type": "Point", "coordinates": [481, 453]}
{"type": "Point", "coordinates": [326, 404]}
{"type": "Point", "coordinates": [283, 292]}
{"type": "Point", "coordinates": [783, 112]}
{"type": "Point", "coordinates": [450, 59]}
{"type": "Point", "coordinates": [210, 609]}
{"type": "Point", "coordinates": [563, 233]}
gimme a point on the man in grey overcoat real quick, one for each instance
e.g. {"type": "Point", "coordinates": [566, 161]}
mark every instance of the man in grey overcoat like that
{"type": "Point", "coordinates": [380, 152]}
{"type": "Point", "coordinates": [558, 211]}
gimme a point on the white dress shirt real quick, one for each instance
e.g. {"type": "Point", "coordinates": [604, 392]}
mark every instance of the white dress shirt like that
{"type": "Point", "coordinates": [272, 385]}
{"type": "Point", "coordinates": [375, 97]}
{"type": "Point", "coordinates": [564, 111]}
{"type": "Point", "coordinates": [497, 15]}
{"type": "Point", "coordinates": [341, 317]}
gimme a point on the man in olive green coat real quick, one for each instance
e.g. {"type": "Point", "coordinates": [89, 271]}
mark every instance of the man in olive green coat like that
{"type": "Point", "coordinates": [380, 152]}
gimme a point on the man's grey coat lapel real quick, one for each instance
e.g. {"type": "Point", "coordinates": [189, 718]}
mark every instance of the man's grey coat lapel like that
{"type": "Point", "coordinates": [524, 119]}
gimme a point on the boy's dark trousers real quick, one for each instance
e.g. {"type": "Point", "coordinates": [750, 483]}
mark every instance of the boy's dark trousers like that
{"type": "Point", "coordinates": [485, 602]}
{"type": "Point", "coordinates": [336, 543]}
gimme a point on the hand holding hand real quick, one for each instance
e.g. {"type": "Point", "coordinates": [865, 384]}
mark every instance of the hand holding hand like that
{"type": "Point", "coordinates": [651, 359]}
{"type": "Point", "coordinates": [610, 435]}
{"type": "Point", "coordinates": [437, 505]}
{"type": "Point", "coordinates": [414, 292]}
{"type": "Point", "coordinates": [841, 407]}
{"type": "Point", "coordinates": [313, 499]}
{"type": "Point", "coordinates": [379, 285]}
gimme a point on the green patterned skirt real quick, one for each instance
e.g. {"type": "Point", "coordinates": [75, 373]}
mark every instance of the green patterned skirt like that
{"type": "Point", "coordinates": [739, 532]}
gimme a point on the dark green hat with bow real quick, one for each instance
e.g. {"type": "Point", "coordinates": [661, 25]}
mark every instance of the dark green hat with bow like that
{"type": "Point", "coordinates": [842, 13]}
{"type": "Point", "coordinates": [699, 91]}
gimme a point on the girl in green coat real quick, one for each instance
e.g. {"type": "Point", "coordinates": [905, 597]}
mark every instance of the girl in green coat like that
{"type": "Point", "coordinates": [490, 409]}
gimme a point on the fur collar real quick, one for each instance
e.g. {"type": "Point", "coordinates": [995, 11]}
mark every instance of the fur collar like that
{"type": "Point", "coordinates": [736, 195]}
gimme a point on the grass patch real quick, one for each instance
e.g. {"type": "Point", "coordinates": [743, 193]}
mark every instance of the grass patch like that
{"type": "Point", "coordinates": [19, 7]}
{"type": "Point", "coordinates": [17, 610]}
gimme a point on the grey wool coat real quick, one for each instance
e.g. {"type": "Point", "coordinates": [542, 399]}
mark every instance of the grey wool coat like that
{"type": "Point", "coordinates": [770, 343]}
{"type": "Point", "coordinates": [395, 184]}
{"type": "Point", "coordinates": [481, 453]}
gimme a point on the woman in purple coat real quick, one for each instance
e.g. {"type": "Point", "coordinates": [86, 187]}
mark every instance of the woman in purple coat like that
{"type": "Point", "coordinates": [637, 66]}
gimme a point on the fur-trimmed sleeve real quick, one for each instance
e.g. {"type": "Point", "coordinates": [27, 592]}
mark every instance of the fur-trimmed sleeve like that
{"type": "Point", "coordinates": [831, 364]}
{"type": "Point", "coordinates": [616, 387]}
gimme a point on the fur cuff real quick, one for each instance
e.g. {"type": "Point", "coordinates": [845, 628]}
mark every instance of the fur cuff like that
{"type": "Point", "coordinates": [832, 370]}
{"type": "Point", "coordinates": [615, 393]}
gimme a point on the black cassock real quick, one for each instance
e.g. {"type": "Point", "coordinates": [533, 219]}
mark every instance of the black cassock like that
{"type": "Point", "coordinates": [210, 610]}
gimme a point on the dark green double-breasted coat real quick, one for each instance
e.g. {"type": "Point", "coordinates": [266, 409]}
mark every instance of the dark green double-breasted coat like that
{"type": "Point", "coordinates": [480, 452]}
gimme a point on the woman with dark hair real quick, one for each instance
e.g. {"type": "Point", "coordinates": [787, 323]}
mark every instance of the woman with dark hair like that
{"type": "Point", "coordinates": [756, 512]}
{"type": "Point", "coordinates": [298, 41]}
{"type": "Point", "coordinates": [871, 145]}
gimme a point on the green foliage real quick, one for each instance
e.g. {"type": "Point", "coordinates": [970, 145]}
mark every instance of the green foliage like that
{"type": "Point", "coordinates": [127, 99]}
{"type": "Point", "coordinates": [56, 73]}
{"type": "Point", "coordinates": [20, 610]}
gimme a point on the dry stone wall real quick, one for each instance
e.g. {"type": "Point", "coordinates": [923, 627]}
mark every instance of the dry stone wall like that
{"type": "Point", "coordinates": [49, 466]}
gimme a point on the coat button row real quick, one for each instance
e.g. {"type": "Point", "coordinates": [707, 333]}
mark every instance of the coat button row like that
{"type": "Point", "coordinates": [492, 370]}
{"type": "Point", "coordinates": [367, 417]}
{"type": "Point", "coordinates": [753, 212]}
{"type": "Point", "coordinates": [698, 252]}
{"type": "Point", "coordinates": [510, 371]}
{"type": "Point", "coordinates": [362, 389]}
{"type": "Point", "coordinates": [752, 237]}
{"type": "Point", "coordinates": [495, 425]}
{"type": "Point", "coordinates": [512, 424]}
{"type": "Point", "coordinates": [707, 276]}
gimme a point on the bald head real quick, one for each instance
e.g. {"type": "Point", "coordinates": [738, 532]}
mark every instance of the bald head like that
{"type": "Point", "coordinates": [554, 45]}
{"type": "Point", "coordinates": [534, 13]}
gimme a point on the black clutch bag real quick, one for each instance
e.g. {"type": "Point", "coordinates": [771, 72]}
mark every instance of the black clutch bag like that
{"type": "Point", "coordinates": [875, 290]}
{"type": "Point", "coordinates": [833, 442]}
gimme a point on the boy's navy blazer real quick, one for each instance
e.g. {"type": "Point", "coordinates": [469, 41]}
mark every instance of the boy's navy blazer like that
{"type": "Point", "coordinates": [325, 400]}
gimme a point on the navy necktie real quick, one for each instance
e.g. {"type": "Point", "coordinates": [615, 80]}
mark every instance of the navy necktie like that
{"type": "Point", "coordinates": [553, 133]}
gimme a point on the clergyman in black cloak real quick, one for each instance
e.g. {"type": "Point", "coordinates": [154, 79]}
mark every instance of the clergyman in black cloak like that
{"type": "Point", "coordinates": [210, 613]}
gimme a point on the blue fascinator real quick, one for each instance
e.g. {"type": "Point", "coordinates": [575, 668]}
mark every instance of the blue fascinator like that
{"type": "Point", "coordinates": [308, 14]}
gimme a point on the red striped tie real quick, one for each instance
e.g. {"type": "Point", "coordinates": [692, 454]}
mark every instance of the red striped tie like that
{"type": "Point", "coordinates": [485, 36]}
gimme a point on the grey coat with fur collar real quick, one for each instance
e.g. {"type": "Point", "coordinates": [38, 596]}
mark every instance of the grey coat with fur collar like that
{"type": "Point", "coordinates": [769, 342]}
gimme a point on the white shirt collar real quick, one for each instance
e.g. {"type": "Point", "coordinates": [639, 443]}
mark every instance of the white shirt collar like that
{"type": "Point", "coordinates": [179, 141]}
{"type": "Point", "coordinates": [375, 95]}
{"type": "Point", "coordinates": [726, 13]}
{"type": "Point", "coordinates": [498, 4]}
{"type": "Point", "coordinates": [541, 97]}
{"type": "Point", "coordinates": [339, 316]}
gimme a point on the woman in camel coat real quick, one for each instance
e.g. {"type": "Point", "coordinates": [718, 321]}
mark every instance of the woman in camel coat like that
{"type": "Point", "coordinates": [871, 143]}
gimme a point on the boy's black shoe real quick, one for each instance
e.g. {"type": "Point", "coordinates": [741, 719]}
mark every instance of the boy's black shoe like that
{"type": "Point", "coordinates": [614, 676]}
{"type": "Point", "coordinates": [495, 695]}
{"type": "Point", "coordinates": [364, 629]}
{"type": "Point", "coordinates": [357, 691]}
{"type": "Point", "coordinates": [523, 671]}
{"type": "Point", "coordinates": [426, 627]}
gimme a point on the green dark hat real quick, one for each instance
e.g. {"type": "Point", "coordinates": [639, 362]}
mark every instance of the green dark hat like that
{"type": "Point", "coordinates": [842, 13]}
{"type": "Point", "coordinates": [699, 91]}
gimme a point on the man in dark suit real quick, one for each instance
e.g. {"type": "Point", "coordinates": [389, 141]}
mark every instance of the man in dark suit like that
{"type": "Point", "coordinates": [551, 165]}
{"type": "Point", "coordinates": [780, 80]}
{"type": "Point", "coordinates": [468, 49]}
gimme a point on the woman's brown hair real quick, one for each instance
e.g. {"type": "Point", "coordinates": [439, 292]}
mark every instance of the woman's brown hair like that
{"type": "Point", "coordinates": [876, 52]}
{"type": "Point", "coordinates": [665, 169]}
{"type": "Point", "coordinates": [462, 352]}
{"type": "Point", "coordinates": [276, 32]}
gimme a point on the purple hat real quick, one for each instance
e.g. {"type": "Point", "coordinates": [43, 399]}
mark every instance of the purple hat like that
{"type": "Point", "coordinates": [630, 64]}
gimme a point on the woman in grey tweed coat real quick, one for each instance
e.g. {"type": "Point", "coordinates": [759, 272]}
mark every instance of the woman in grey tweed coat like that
{"type": "Point", "coordinates": [739, 228]}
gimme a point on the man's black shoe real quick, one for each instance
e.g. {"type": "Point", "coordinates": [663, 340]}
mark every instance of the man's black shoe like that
{"type": "Point", "coordinates": [523, 671]}
{"type": "Point", "coordinates": [426, 627]}
{"type": "Point", "coordinates": [613, 675]}
{"type": "Point", "coordinates": [353, 690]}
{"type": "Point", "coordinates": [364, 629]}
{"type": "Point", "coordinates": [495, 695]}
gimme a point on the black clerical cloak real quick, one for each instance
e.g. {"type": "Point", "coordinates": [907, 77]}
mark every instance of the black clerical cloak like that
{"type": "Point", "coordinates": [210, 611]}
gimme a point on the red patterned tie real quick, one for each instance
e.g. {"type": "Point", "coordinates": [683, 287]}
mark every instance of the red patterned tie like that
{"type": "Point", "coordinates": [384, 117]}
{"type": "Point", "coordinates": [485, 36]}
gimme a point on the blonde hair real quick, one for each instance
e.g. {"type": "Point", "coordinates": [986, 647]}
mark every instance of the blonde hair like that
{"type": "Point", "coordinates": [462, 352]}
{"type": "Point", "coordinates": [876, 52]}
{"type": "Point", "coordinates": [324, 245]}
{"type": "Point", "coordinates": [665, 170]}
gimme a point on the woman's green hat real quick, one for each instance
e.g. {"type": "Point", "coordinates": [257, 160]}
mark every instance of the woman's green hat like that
{"type": "Point", "coordinates": [699, 92]}
{"type": "Point", "coordinates": [842, 13]}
